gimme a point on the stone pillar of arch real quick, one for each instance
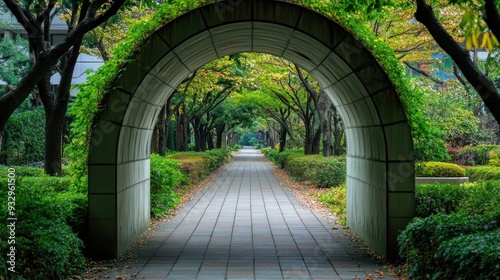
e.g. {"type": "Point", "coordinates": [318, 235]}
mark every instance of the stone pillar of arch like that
{"type": "Point", "coordinates": [380, 164]}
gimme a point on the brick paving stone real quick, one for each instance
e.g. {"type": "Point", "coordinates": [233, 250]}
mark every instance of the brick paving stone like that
{"type": "Point", "coordinates": [245, 225]}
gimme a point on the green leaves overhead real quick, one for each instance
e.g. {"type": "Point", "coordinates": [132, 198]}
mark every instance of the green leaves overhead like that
{"type": "Point", "coordinates": [91, 93]}
{"type": "Point", "coordinates": [14, 59]}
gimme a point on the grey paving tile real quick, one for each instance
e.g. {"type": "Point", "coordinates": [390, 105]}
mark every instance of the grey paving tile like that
{"type": "Point", "coordinates": [245, 225]}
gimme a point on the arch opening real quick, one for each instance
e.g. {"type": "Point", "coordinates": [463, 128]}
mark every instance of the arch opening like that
{"type": "Point", "coordinates": [380, 165]}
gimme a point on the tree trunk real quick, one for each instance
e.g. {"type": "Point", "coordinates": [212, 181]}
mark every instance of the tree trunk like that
{"type": "Point", "coordinates": [46, 59]}
{"type": "Point", "coordinates": [162, 131]}
{"type": "Point", "coordinates": [53, 144]}
{"type": "Point", "coordinates": [155, 138]}
{"type": "Point", "coordinates": [210, 141]}
{"type": "Point", "coordinates": [492, 17]}
{"type": "Point", "coordinates": [325, 123]}
{"type": "Point", "coordinates": [461, 57]}
{"type": "Point", "coordinates": [1, 143]}
{"type": "Point", "coordinates": [283, 133]}
{"type": "Point", "coordinates": [338, 133]}
{"type": "Point", "coordinates": [197, 130]}
{"type": "Point", "coordinates": [181, 132]}
{"type": "Point", "coordinates": [308, 143]}
{"type": "Point", "coordinates": [316, 142]}
{"type": "Point", "coordinates": [219, 132]}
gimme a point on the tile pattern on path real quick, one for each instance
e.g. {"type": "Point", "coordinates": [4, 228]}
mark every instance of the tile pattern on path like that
{"type": "Point", "coordinates": [245, 225]}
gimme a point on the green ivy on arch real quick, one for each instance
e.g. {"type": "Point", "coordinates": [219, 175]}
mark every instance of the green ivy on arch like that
{"type": "Point", "coordinates": [426, 143]}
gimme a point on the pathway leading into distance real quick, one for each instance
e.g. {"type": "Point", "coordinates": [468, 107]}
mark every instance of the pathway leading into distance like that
{"type": "Point", "coordinates": [245, 225]}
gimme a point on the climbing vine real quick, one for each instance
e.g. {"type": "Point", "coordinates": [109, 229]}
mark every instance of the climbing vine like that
{"type": "Point", "coordinates": [98, 85]}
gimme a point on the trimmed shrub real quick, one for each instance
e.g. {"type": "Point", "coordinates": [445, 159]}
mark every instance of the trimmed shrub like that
{"type": "Point", "coordinates": [300, 166]}
{"type": "Point", "coordinates": [265, 151]}
{"type": "Point", "coordinates": [212, 158]}
{"type": "Point", "coordinates": [474, 256]}
{"type": "Point", "coordinates": [477, 155]}
{"type": "Point", "coordinates": [195, 168]}
{"type": "Point", "coordinates": [481, 173]}
{"type": "Point", "coordinates": [438, 169]}
{"type": "Point", "coordinates": [438, 198]}
{"type": "Point", "coordinates": [24, 139]}
{"type": "Point", "coordinates": [236, 147]}
{"type": "Point", "coordinates": [165, 178]}
{"type": "Point", "coordinates": [336, 199]}
{"type": "Point", "coordinates": [420, 241]}
{"type": "Point", "coordinates": [472, 198]}
{"type": "Point", "coordinates": [280, 159]}
{"type": "Point", "coordinates": [481, 198]}
{"type": "Point", "coordinates": [320, 171]}
{"type": "Point", "coordinates": [24, 171]}
{"type": "Point", "coordinates": [46, 246]}
{"type": "Point", "coordinates": [330, 172]}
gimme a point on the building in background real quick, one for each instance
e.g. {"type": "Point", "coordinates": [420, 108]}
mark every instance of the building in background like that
{"type": "Point", "coordinates": [10, 28]}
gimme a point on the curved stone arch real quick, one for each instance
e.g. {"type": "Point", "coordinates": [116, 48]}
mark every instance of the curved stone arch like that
{"type": "Point", "coordinates": [380, 182]}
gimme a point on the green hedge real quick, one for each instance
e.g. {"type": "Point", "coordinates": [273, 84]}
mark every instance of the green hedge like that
{"type": "Point", "coordinates": [477, 155]}
{"type": "Point", "coordinates": [438, 169]}
{"type": "Point", "coordinates": [172, 174]}
{"type": "Point", "coordinates": [473, 256]}
{"type": "Point", "coordinates": [336, 199]}
{"type": "Point", "coordinates": [318, 170]}
{"type": "Point", "coordinates": [23, 171]}
{"type": "Point", "coordinates": [165, 178]}
{"type": "Point", "coordinates": [438, 198]}
{"type": "Point", "coordinates": [473, 198]}
{"type": "Point", "coordinates": [49, 220]}
{"type": "Point", "coordinates": [281, 158]}
{"type": "Point", "coordinates": [24, 139]}
{"type": "Point", "coordinates": [422, 239]}
{"type": "Point", "coordinates": [481, 173]}
{"type": "Point", "coordinates": [455, 217]}
{"type": "Point", "coordinates": [213, 159]}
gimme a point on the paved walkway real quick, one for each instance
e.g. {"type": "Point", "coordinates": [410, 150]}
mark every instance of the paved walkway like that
{"type": "Point", "coordinates": [244, 225]}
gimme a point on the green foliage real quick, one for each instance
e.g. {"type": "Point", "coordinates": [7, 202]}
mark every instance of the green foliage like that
{"type": "Point", "coordinates": [481, 198]}
{"type": "Point", "coordinates": [24, 140]}
{"type": "Point", "coordinates": [46, 245]}
{"type": "Point", "coordinates": [249, 139]}
{"type": "Point", "coordinates": [16, 62]}
{"type": "Point", "coordinates": [481, 173]}
{"type": "Point", "coordinates": [320, 171]}
{"type": "Point", "coordinates": [97, 86]}
{"type": "Point", "coordinates": [165, 178]}
{"type": "Point", "coordinates": [92, 93]}
{"type": "Point", "coordinates": [472, 198]}
{"type": "Point", "coordinates": [458, 225]}
{"type": "Point", "coordinates": [336, 199]}
{"type": "Point", "coordinates": [170, 175]}
{"type": "Point", "coordinates": [423, 238]}
{"type": "Point", "coordinates": [212, 159]}
{"type": "Point", "coordinates": [494, 159]}
{"type": "Point", "coordinates": [461, 126]}
{"type": "Point", "coordinates": [23, 171]}
{"type": "Point", "coordinates": [473, 256]}
{"type": "Point", "coordinates": [266, 150]}
{"type": "Point", "coordinates": [477, 155]}
{"type": "Point", "coordinates": [438, 198]}
{"type": "Point", "coordinates": [194, 167]}
{"type": "Point", "coordinates": [236, 147]}
{"type": "Point", "coordinates": [280, 159]}
{"type": "Point", "coordinates": [438, 169]}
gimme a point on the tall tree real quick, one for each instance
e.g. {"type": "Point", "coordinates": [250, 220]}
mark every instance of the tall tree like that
{"type": "Point", "coordinates": [36, 18]}
{"type": "Point", "coordinates": [460, 55]}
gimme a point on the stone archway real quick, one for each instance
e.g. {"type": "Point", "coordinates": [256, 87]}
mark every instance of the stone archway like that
{"type": "Point", "coordinates": [381, 187]}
